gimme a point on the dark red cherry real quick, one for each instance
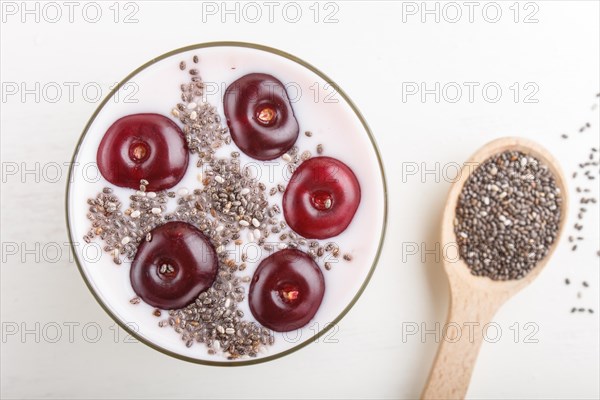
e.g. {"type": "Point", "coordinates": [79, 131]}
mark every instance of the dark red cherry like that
{"type": "Point", "coordinates": [321, 198]}
{"type": "Point", "coordinates": [260, 116]}
{"type": "Point", "coordinates": [143, 146]}
{"type": "Point", "coordinates": [286, 290]}
{"type": "Point", "coordinates": [172, 269]}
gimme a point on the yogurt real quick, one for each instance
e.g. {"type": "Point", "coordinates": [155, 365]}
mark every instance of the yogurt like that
{"type": "Point", "coordinates": [334, 123]}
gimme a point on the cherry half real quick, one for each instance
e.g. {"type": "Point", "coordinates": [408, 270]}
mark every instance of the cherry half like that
{"type": "Point", "coordinates": [321, 198]}
{"type": "Point", "coordinates": [260, 116]}
{"type": "Point", "coordinates": [143, 146]}
{"type": "Point", "coordinates": [286, 290]}
{"type": "Point", "coordinates": [172, 269]}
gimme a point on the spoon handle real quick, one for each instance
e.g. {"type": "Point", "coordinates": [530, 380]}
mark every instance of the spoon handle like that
{"type": "Point", "coordinates": [460, 342]}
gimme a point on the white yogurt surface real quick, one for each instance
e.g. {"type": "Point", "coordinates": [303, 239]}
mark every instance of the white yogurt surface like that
{"type": "Point", "coordinates": [317, 108]}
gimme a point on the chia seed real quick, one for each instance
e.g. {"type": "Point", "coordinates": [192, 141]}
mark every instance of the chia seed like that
{"type": "Point", "coordinates": [505, 237]}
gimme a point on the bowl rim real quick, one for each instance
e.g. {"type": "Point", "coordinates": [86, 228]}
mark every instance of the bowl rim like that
{"type": "Point", "coordinates": [340, 92]}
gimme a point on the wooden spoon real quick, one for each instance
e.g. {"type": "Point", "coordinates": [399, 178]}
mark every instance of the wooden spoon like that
{"type": "Point", "coordinates": [474, 300]}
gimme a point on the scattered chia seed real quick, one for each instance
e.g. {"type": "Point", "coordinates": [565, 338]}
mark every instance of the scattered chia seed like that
{"type": "Point", "coordinates": [589, 167]}
{"type": "Point", "coordinates": [319, 149]}
{"type": "Point", "coordinates": [506, 221]}
{"type": "Point", "coordinates": [590, 172]}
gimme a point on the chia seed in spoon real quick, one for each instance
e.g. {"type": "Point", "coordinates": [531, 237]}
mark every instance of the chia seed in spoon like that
{"type": "Point", "coordinates": [507, 216]}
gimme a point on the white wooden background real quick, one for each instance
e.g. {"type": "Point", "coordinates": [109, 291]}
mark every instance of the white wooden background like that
{"type": "Point", "coordinates": [371, 53]}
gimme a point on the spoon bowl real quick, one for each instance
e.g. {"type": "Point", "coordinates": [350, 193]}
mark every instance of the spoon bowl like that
{"type": "Point", "coordinates": [475, 299]}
